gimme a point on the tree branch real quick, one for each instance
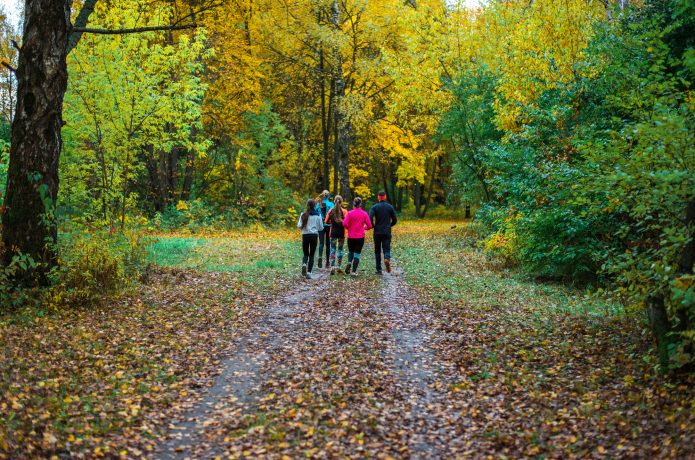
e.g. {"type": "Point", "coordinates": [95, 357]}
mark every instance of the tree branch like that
{"type": "Point", "coordinates": [81, 22]}
{"type": "Point", "coordinates": [134, 30]}
{"type": "Point", "coordinates": [9, 67]}
{"type": "Point", "coordinates": [80, 26]}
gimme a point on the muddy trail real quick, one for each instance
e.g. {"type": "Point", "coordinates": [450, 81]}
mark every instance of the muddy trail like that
{"type": "Point", "coordinates": [339, 367]}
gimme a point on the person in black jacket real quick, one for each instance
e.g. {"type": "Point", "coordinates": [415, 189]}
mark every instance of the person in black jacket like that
{"type": "Point", "coordinates": [383, 217]}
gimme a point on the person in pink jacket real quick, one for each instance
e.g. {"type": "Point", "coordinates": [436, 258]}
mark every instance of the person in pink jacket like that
{"type": "Point", "coordinates": [356, 222]}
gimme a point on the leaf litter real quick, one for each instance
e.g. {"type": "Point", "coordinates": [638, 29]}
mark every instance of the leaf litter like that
{"type": "Point", "coordinates": [452, 359]}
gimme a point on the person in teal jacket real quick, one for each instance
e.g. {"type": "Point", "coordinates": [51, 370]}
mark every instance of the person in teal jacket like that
{"type": "Point", "coordinates": [324, 206]}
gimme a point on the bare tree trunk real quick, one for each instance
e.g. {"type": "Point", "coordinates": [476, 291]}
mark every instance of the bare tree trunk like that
{"type": "Point", "coordinates": [431, 188]}
{"type": "Point", "coordinates": [325, 116]}
{"type": "Point", "coordinates": [28, 222]}
{"type": "Point", "coordinates": [342, 141]}
{"type": "Point", "coordinates": [662, 327]}
{"type": "Point", "coordinates": [417, 198]}
{"type": "Point", "coordinates": [188, 175]}
{"type": "Point", "coordinates": [334, 129]}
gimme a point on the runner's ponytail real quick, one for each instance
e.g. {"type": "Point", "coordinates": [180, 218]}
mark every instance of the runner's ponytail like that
{"type": "Point", "coordinates": [337, 211]}
{"type": "Point", "coordinates": [310, 207]}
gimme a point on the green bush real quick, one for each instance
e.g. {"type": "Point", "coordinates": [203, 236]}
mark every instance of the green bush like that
{"type": "Point", "coordinates": [597, 184]}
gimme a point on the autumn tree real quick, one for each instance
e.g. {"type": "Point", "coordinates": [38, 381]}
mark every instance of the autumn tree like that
{"type": "Point", "coordinates": [28, 221]}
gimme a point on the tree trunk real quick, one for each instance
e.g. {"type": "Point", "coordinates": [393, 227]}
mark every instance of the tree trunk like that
{"type": "Point", "coordinates": [342, 141]}
{"type": "Point", "coordinates": [663, 328]}
{"type": "Point", "coordinates": [156, 186]}
{"type": "Point", "coordinates": [188, 175]}
{"type": "Point", "coordinates": [325, 121]}
{"type": "Point", "coordinates": [417, 198]}
{"type": "Point", "coordinates": [28, 222]}
{"type": "Point", "coordinates": [431, 188]}
{"type": "Point", "coordinates": [334, 129]}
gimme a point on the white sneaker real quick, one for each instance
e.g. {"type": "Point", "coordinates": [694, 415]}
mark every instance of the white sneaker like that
{"type": "Point", "coordinates": [308, 275]}
{"type": "Point", "coordinates": [353, 274]}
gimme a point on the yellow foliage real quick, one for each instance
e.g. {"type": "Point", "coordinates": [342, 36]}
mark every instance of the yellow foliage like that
{"type": "Point", "coordinates": [534, 47]}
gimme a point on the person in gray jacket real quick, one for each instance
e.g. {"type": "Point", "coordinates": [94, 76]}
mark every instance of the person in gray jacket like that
{"type": "Point", "coordinates": [311, 224]}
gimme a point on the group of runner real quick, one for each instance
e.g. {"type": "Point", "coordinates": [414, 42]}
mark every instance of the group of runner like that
{"type": "Point", "coordinates": [327, 224]}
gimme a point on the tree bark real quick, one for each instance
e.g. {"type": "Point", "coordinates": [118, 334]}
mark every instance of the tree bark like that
{"type": "Point", "coordinates": [431, 188]}
{"type": "Point", "coordinates": [417, 198]}
{"type": "Point", "coordinates": [188, 175]}
{"type": "Point", "coordinates": [342, 123]}
{"type": "Point", "coordinates": [325, 115]}
{"type": "Point", "coordinates": [28, 222]}
{"type": "Point", "coordinates": [662, 327]}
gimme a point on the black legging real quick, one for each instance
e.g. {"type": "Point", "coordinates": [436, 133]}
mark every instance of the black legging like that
{"type": "Point", "coordinates": [355, 246]}
{"type": "Point", "coordinates": [309, 242]}
{"type": "Point", "coordinates": [325, 242]}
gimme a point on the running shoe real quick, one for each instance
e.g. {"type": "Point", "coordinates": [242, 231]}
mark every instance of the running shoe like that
{"type": "Point", "coordinates": [387, 263]}
{"type": "Point", "coordinates": [304, 270]}
{"type": "Point", "coordinates": [348, 268]}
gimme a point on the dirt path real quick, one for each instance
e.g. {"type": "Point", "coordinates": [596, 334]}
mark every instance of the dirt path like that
{"type": "Point", "coordinates": [340, 367]}
{"type": "Point", "coordinates": [236, 390]}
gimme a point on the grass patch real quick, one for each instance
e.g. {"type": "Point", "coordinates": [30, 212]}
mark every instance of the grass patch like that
{"type": "Point", "coordinates": [442, 256]}
{"type": "Point", "coordinates": [258, 258]}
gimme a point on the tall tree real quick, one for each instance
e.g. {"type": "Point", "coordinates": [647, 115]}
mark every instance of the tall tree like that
{"type": "Point", "coordinates": [28, 224]}
{"type": "Point", "coordinates": [28, 221]}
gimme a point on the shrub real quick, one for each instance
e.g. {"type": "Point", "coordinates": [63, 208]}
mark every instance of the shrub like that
{"type": "Point", "coordinates": [94, 265]}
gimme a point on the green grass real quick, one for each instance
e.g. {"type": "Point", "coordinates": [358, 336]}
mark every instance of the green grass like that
{"type": "Point", "coordinates": [447, 262]}
{"type": "Point", "coordinates": [257, 258]}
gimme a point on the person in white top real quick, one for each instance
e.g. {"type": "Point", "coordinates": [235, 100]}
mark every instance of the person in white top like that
{"type": "Point", "coordinates": [310, 223]}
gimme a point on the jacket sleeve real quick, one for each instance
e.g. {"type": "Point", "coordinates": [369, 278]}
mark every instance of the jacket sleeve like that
{"type": "Point", "coordinates": [346, 220]}
{"type": "Point", "coordinates": [371, 215]}
{"type": "Point", "coordinates": [299, 224]}
{"type": "Point", "coordinates": [369, 223]}
{"type": "Point", "coordinates": [394, 217]}
{"type": "Point", "coordinates": [328, 216]}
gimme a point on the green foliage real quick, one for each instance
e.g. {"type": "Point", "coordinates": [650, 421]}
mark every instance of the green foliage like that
{"type": "Point", "coordinates": [249, 178]}
{"type": "Point", "coordinates": [595, 181]}
{"type": "Point", "coordinates": [468, 128]}
{"type": "Point", "coordinates": [125, 129]}
{"type": "Point", "coordinates": [11, 293]}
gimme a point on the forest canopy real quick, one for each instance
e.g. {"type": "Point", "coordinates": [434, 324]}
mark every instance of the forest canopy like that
{"type": "Point", "coordinates": [567, 125]}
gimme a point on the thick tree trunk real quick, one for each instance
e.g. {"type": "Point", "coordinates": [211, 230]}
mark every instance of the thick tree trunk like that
{"type": "Point", "coordinates": [28, 223]}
